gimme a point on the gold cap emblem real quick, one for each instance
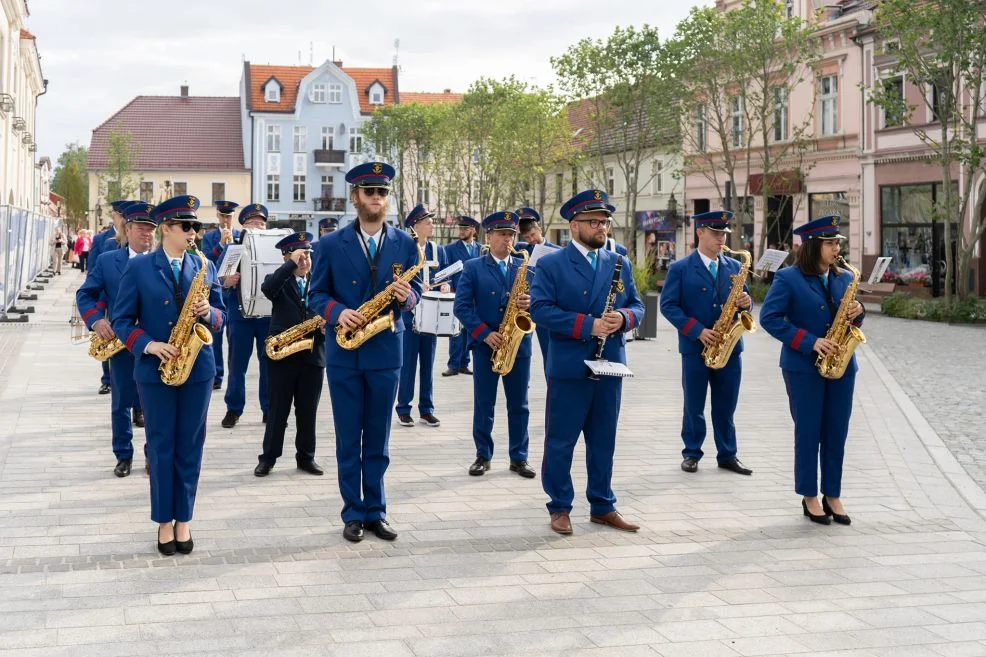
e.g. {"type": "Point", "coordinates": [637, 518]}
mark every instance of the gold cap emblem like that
{"type": "Point", "coordinates": [508, 216]}
{"type": "Point", "coordinates": [256, 206]}
{"type": "Point", "coordinates": [191, 201]}
{"type": "Point", "coordinates": [377, 167]}
{"type": "Point", "coordinates": [598, 195]}
{"type": "Point", "coordinates": [835, 221]}
{"type": "Point", "coordinates": [300, 237]}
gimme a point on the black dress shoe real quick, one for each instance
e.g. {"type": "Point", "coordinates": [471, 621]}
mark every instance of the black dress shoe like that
{"type": "Point", "coordinates": [167, 549]}
{"type": "Point", "coordinates": [450, 372]}
{"type": "Point", "coordinates": [479, 467]}
{"type": "Point", "coordinates": [382, 530]}
{"type": "Point", "coordinates": [217, 385]}
{"type": "Point", "coordinates": [311, 467]}
{"type": "Point", "coordinates": [138, 418]}
{"type": "Point", "coordinates": [736, 466]}
{"type": "Point", "coordinates": [185, 547]}
{"type": "Point", "coordinates": [230, 420]}
{"type": "Point", "coordinates": [690, 465]}
{"type": "Point", "coordinates": [122, 468]}
{"type": "Point", "coordinates": [104, 389]}
{"type": "Point", "coordinates": [465, 370]}
{"type": "Point", "coordinates": [523, 469]}
{"type": "Point", "coordinates": [821, 519]}
{"type": "Point", "coordinates": [353, 531]}
{"type": "Point", "coordinates": [838, 517]}
{"type": "Point", "coordinates": [263, 469]}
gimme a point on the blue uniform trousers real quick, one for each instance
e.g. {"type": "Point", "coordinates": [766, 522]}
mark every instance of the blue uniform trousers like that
{"type": "Point", "coordinates": [175, 419]}
{"type": "Point", "coordinates": [484, 402]}
{"type": "Point", "coordinates": [417, 349]}
{"type": "Point", "coordinates": [361, 400]}
{"type": "Point", "coordinates": [217, 352]}
{"type": "Point", "coordinates": [821, 409]}
{"type": "Point", "coordinates": [105, 378]}
{"type": "Point", "coordinates": [458, 351]}
{"type": "Point", "coordinates": [590, 408]}
{"type": "Point", "coordinates": [123, 397]}
{"type": "Point", "coordinates": [696, 379]}
{"type": "Point", "coordinates": [244, 336]}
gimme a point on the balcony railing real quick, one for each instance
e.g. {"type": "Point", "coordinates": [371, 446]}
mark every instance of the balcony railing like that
{"type": "Point", "coordinates": [26, 138]}
{"type": "Point", "coordinates": [326, 204]}
{"type": "Point", "coordinates": [19, 124]}
{"type": "Point", "coordinates": [6, 102]}
{"type": "Point", "coordinates": [329, 158]}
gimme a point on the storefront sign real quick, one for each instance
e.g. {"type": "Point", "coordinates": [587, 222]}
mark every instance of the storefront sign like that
{"type": "Point", "coordinates": [656, 221]}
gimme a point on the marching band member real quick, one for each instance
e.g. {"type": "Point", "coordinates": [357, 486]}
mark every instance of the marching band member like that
{"type": "Point", "coordinates": [465, 248]}
{"type": "Point", "coordinates": [569, 297]}
{"type": "Point", "coordinates": [532, 234]}
{"type": "Point", "coordinates": [296, 378]}
{"type": "Point", "coordinates": [692, 298]}
{"type": "Point", "coordinates": [151, 298]}
{"type": "Point", "coordinates": [798, 311]}
{"type": "Point", "coordinates": [481, 300]}
{"type": "Point", "coordinates": [103, 241]}
{"type": "Point", "coordinates": [354, 265]}
{"type": "Point", "coordinates": [97, 300]}
{"type": "Point", "coordinates": [246, 334]}
{"type": "Point", "coordinates": [212, 247]}
{"type": "Point", "coordinates": [419, 348]}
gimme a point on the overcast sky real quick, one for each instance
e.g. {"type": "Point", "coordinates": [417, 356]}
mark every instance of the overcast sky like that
{"type": "Point", "coordinates": [99, 54]}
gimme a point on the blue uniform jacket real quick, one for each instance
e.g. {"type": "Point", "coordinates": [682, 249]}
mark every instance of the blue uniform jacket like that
{"type": "Point", "coordinates": [432, 252]}
{"type": "Point", "coordinates": [146, 310]}
{"type": "Point", "coordinates": [341, 279]}
{"type": "Point", "coordinates": [458, 251]}
{"type": "Point", "coordinates": [797, 311]}
{"type": "Point", "coordinates": [481, 298]}
{"type": "Point", "coordinates": [101, 243]}
{"type": "Point", "coordinates": [565, 297]}
{"type": "Point", "coordinates": [98, 294]}
{"type": "Point", "coordinates": [211, 247]}
{"type": "Point", "coordinates": [692, 300]}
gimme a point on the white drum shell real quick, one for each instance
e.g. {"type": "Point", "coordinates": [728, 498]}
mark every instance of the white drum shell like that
{"type": "Point", "coordinates": [260, 258]}
{"type": "Point", "coordinates": [433, 315]}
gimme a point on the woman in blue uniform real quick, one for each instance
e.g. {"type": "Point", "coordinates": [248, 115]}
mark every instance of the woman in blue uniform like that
{"type": "Point", "coordinates": [151, 297]}
{"type": "Point", "coordinates": [798, 311]}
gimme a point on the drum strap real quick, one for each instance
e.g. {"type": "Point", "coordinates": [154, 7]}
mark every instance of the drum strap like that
{"type": "Point", "coordinates": [375, 260]}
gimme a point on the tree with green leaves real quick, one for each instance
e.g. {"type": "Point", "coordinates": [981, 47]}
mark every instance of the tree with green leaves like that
{"type": "Point", "coordinates": [71, 182]}
{"type": "Point", "coordinates": [120, 180]}
{"type": "Point", "coordinates": [941, 47]}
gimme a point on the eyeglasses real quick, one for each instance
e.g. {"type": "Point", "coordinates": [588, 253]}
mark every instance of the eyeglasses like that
{"type": "Point", "coordinates": [376, 191]}
{"type": "Point", "coordinates": [595, 223]}
{"type": "Point", "coordinates": [187, 226]}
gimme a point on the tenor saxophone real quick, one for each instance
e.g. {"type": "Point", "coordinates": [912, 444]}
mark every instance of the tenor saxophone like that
{"type": "Point", "coordinates": [103, 350]}
{"type": "Point", "coordinates": [717, 355]}
{"type": "Point", "coordinates": [516, 322]}
{"type": "Point", "coordinates": [372, 310]}
{"type": "Point", "coordinates": [842, 332]}
{"type": "Point", "coordinates": [188, 335]}
{"type": "Point", "coordinates": [292, 340]}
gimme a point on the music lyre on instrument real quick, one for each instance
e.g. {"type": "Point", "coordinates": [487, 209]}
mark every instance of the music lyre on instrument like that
{"type": "Point", "coordinates": [599, 366]}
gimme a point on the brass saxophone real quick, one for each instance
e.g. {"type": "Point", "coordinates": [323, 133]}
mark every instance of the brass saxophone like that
{"type": "Point", "coordinates": [516, 322]}
{"type": "Point", "coordinates": [188, 335]}
{"type": "Point", "coordinates": [717, 355]}
{"type": "Point", "coordinates": [842, 332]}
{"type": "Point", "coordinates": [103, 350]}
{"type": "Point", "coordinates": [291, 341]}
{"type": "Point", "coordinates": [372, 310]}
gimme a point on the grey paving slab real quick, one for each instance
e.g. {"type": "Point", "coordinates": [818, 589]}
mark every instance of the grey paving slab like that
{"type": "Point", "coordinates": [724, 565]}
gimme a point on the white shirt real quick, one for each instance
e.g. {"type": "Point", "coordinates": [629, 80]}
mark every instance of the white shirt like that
{"type": "Point", "coordinates": [132, 253]}
{"type": "Point", "coordinates": [584, 250]}
{"type": "Point", "coordinates": [377, 236]}
{"type": "Point", "coordinates": [706, 260]}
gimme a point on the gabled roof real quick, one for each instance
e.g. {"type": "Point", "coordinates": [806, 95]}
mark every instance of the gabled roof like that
{"type": "Point", "coordinates": [428, 98]}
{"type": "Point", "coordinates": [176, 132]}
{"type": "Point", "coordinates": [290, 77]}
{"type": "Point", "coordinates": [27, 35]}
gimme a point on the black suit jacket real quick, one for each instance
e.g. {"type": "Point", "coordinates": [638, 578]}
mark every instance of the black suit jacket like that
{"type": "Point", "coordinates": [289, 309]}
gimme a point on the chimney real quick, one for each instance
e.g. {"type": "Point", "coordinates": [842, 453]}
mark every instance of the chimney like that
{"type": "Point", "coordinates": [448, 91]}
{"type": "Point", "coordinates": [184, 91]}
{"type": "Point", "coordinates": [337, 62]}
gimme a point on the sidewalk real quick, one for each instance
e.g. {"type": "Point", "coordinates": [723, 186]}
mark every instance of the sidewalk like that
{"type": "Point", "coordinates": [724, 565]}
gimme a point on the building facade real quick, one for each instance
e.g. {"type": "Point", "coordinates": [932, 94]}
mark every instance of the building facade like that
{"type": "Point", "coordinates": [21, 83]}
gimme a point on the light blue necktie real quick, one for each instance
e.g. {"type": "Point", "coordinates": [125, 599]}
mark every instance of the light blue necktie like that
{"type": "Point", "coordinates": [714, 268]}
{"type": "Point", "coordinates": [301, 287]}
{"type": "Point", "coordinates": [825, 280]}
{"type": "Point", "coordinates": [472, 249]}
{"type": "Point", "coordinates": [503, 268]}
{"type": "Point", "coordinates": [176, 270]}
{"type": "Point", "coordinates": [592, 260]}
{"type": "Point", "coordinates": [371, 248]}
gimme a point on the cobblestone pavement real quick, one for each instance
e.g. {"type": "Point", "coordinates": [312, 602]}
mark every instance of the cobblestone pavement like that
{"type": "Point", "coordinates": [942, 368]}
{"type": "Point", "coordinates": [723, 566]}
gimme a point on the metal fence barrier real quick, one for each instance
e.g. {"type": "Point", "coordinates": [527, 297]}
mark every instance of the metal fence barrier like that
{"type": "Point", "coordinates": [25, 252]}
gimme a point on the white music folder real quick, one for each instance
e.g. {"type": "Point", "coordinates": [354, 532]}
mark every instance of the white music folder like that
{"type": "Point", "coordinates": [608, 368]}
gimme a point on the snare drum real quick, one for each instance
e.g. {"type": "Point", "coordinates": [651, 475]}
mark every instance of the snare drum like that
{"type": "Point", "coordinates": [260, 258]}
{"type": "Point", "coordinates": [433, 315]}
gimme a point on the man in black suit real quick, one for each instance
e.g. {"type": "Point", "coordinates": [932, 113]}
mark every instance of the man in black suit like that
{"type": "Point", "coordinates": [297, 377]}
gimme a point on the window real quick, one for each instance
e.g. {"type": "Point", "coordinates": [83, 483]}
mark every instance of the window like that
{"type": "Point", "coordinates": [476, 189]}
{"type": "Point", "coordinates": [788, 8]}
{"type": "Point", "coordinates": [657, 185]}
{"type": "Point", "coordinates": [610, 181]}
{"type": "Point", "coordinates": [218, 192]}
{"type": "Point", "coordinates": [355, 141]}
{"type": "Point", "coordinates": [335, 93]}
{"type": "Point", "coordinates": [559, 187]}
{"type": "Point", "coordinates": [736, 120]}
{"type": "Point", "coordinates": [423, 193]}
{"type": "Point", "coordinates": [908, 228]}
{"type": "Point", "coordinates": [272, 92]}
{"type": "Point", "coordinates": [273, 138]}
{"type": "Point", "coordinates": [299, 188]}
{"type": "Point", "coordinates": [273, 187]}
{"type": "Point", "coordinates": [181, 188]}
{"type": "Point", "coordinates": [299, 164]}
{"type": "Point", "coordinates": [780, 114]}
{"type": "Point", "coordinates": [941, 91]}
{"type": "Point", "coordinates": [328, 187]}
{"type": "Point", "coordinates": [376, 95]}
{"type": "Point", "coordinates": [828, 94]}
{"type": "Point", "coordinates": [147, 191]}
{"type": "Point", "coordinates": [319, 93]}
{"type": "Point", "coordinates": [700, 129]}
{"type": "Point", "coordinates": [328, 137]}
{"type": "Point", "coordinates": [300, 138]}
{"type": "Point", "coordinates": [893, 117]}
{"type": "Point", "coordinates": [575, 181]}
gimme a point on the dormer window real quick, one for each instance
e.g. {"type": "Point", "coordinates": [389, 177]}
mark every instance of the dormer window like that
{"type": "Point", "coordinates": [272, 91]}
{"type": "Point", "coordinates": [377, 93]}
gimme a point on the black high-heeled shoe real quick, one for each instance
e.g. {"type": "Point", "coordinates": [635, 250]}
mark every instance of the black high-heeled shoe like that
{"type": "Point", "coordinates": [838, 517]}
{"type": "Point", "coordinates": [820, 519]}
{"type": "Point", "coordinates": [185, 547]}
{"type": "Point", "coordinates": [167, 549]}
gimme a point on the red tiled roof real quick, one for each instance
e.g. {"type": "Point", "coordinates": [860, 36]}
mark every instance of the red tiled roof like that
{"type": "Point", "coordinates": [290, 78]}
{"type": "Point", "coordinates": [428, 98]}
{"type": "Point", "coordinates": [27, 35]}
{"type": "Point", "coordinates": [175, 132]}
{"type": "Point", "coordinates": [580, 118]}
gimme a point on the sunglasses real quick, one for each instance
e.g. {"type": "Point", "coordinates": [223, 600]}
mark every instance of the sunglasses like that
{"type": "Point", "coordinates": [187, 226]}
{"type": "Point", "coordinates": [595, 223]}
{"type": "Point", "coordinates": [376, 191]}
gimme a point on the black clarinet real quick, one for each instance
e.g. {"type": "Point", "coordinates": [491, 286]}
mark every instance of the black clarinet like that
{"type": "Point", "coordinates": [615, 288]}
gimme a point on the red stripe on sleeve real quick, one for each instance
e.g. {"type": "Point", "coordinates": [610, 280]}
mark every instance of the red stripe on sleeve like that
{"type": "Point", "coordinates": [479, 329]}
{"type": "Point", "coordinates": [577, 327]}
{"type": "Point", "coordinates": [133, 338]}
{"type": "Point", "coordinates": [89, 313]}
{"type": "Point", "coordinates": [215, 324]}
{"type": "Point", "coordinates": [798, 337]}
{"type": "Point", "coordinates": [630, 321]}
{"type": "Point", "coordinates": [328, 309]}
{"type": "Point", "coordinates": [689, 325]}
{"type": "Point", "coordinates": [101, 304]}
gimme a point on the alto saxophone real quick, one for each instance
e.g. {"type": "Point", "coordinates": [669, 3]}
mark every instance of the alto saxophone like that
{"type": "Point", "coordinates": [188, 335]}
{"type": "Point", "coordinates": [717, 355]}
{"type": "Point", "coordinates": [842, 332]}
{"type": "Point", "coordinates": [292, 340]}
{"type": "Point", "coordinates": [103, 350]}
{"type": "Point", "coordinates": [372, 310]}
{"type": "Point", "coordinates": [516, 322]}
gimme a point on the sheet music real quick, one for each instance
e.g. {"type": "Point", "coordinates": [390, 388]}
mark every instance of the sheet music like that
{"type": "Point", "coordinates": [539, 251]}
{"type": "Point", "coordinates": [879, 269]}
{"type": "Point", "coordinates": [451, 270]}
{"type": "Point", "coordinates": [771, 260]}
{"type": "Point", "coordinates": [607, 368]}
{"type": "Point", "coordinates": [231, 260]}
